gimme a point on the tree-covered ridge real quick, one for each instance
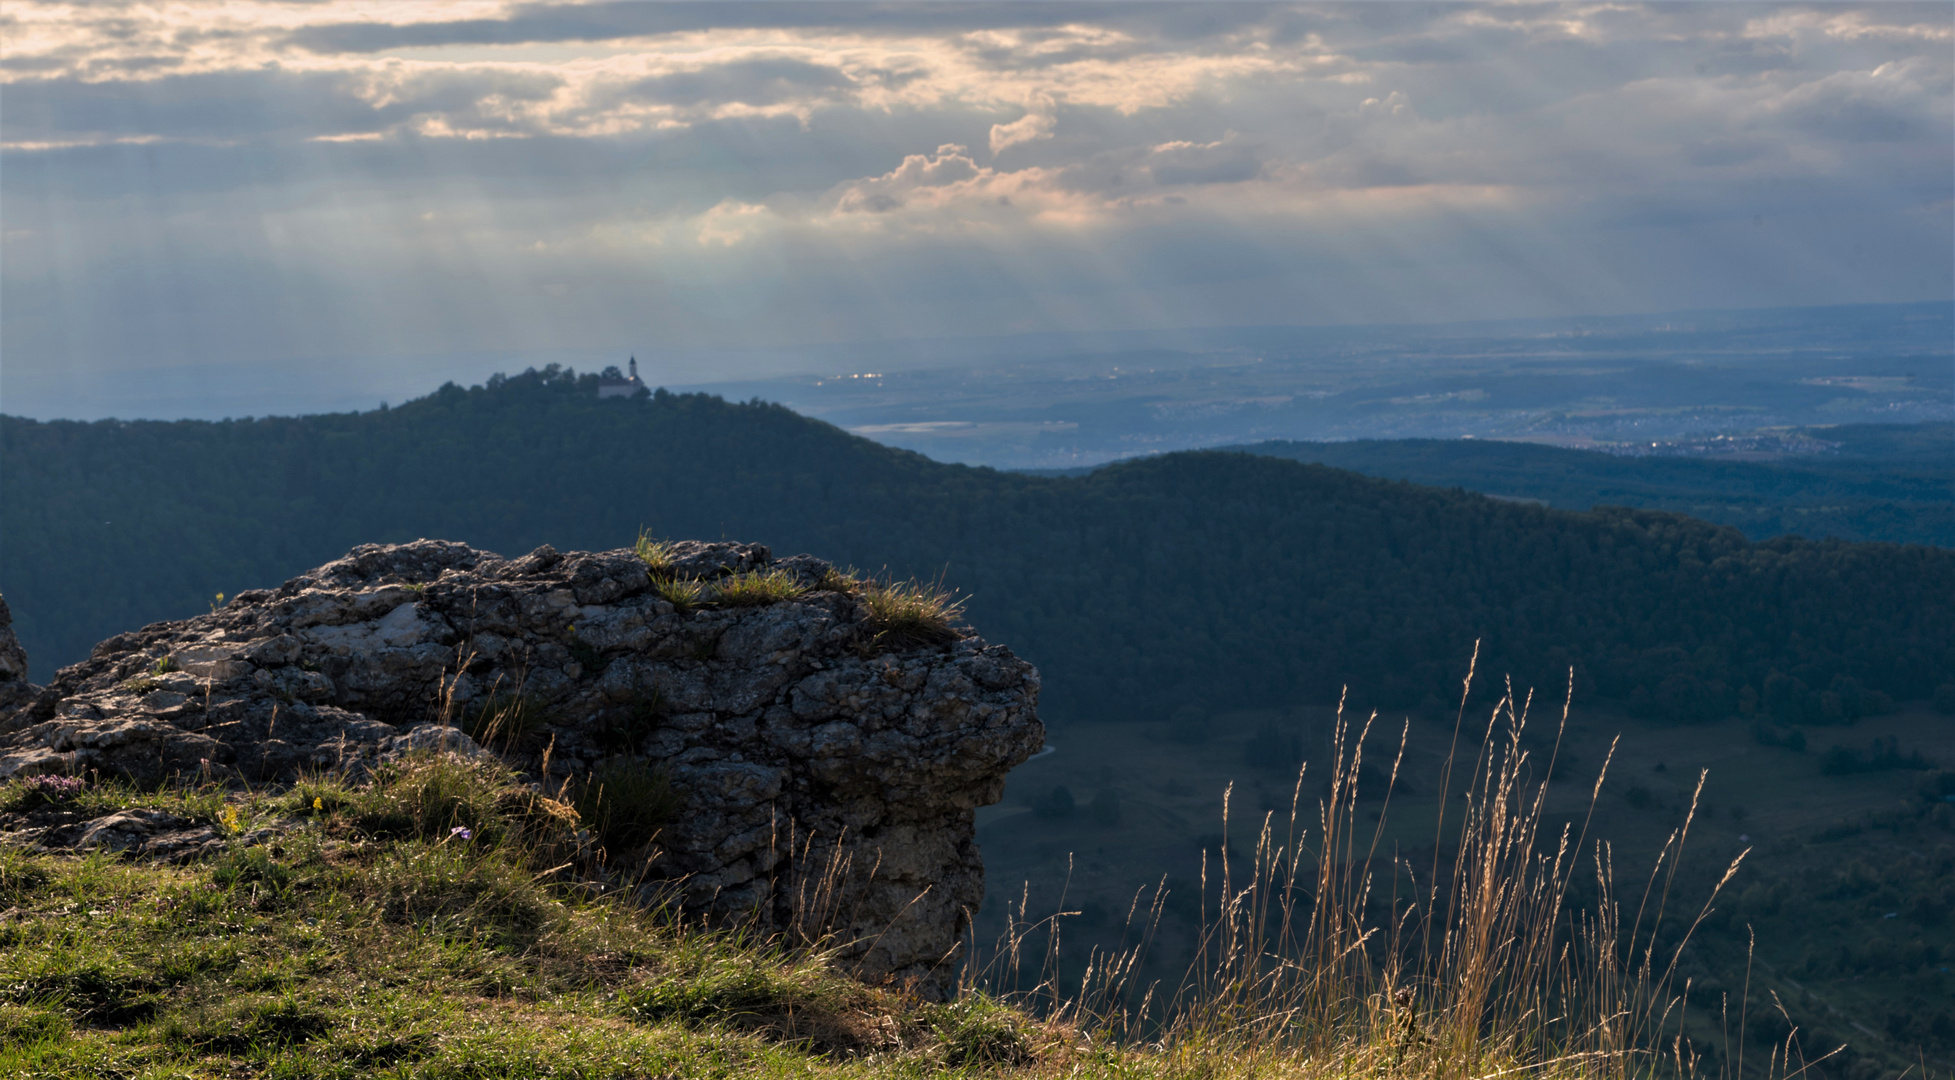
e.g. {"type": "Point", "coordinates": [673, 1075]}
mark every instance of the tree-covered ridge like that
{"type": "Point", "coordinates": [1885, 482]}
{"type": "Point", "coordinates": [1213, 578]}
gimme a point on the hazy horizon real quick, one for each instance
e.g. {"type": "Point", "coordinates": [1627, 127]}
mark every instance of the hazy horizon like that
{"type": "Point", "coordinates": [357, 384]}
{"type": "Point", "coordinates": [322, 206]}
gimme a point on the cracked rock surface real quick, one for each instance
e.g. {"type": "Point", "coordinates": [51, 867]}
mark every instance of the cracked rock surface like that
{"type": "Point", "coordinates": [822, 777]}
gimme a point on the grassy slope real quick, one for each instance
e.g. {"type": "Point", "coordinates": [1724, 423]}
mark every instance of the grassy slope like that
{"type": "Point", "coordinates": [358, 931]}
{"type": "Point", "coordinates": [361, 941]}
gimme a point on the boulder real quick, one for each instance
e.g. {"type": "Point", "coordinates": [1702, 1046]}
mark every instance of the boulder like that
{"type": "Point", "coordinates": [826, 779]}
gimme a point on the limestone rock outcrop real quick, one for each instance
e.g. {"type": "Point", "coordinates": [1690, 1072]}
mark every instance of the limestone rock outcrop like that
{"type": "Point", "coordinates": [818, 762]}
{"type": "Point", "coordinates": [15, 690]}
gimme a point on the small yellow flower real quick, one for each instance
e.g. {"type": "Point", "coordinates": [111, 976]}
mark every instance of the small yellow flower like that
{"type": "Point", "coordinates": [316, 804]}
{"type": "Point", "coordinates": [229, 819]}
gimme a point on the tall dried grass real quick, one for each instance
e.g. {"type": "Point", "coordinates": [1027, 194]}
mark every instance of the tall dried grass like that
{"type": "Point", "coordinates": [1328, 954]}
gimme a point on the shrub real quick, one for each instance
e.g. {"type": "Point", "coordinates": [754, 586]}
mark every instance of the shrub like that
{"type": "Point", "coordinates": [1885, 754]}
{"type": "Point", "coordinates": [1764, 733]}
{"type": "Point", "coordinates": [908, 614]}
{"type": "Point", "coordinates": [626, 802]}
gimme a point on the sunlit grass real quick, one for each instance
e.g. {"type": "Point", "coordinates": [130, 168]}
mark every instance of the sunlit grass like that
{"type": "Point", "coordinates": [1321, 950]}
{"type": "Point", "coordinates": [756, 589]}
{"type": "Point", "coordinates": [447, 920]}
{"type": "Point", "coordinates": [657, 554]}
{"type": "Point", "coordinates": [908, 614]}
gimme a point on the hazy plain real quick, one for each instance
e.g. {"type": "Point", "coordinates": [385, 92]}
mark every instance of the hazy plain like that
{"type": "Point", "coordinates": [1619, 383]}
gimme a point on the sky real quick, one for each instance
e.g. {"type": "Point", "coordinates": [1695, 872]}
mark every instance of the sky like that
{"type": "Point", "coordinates": [215, 205]}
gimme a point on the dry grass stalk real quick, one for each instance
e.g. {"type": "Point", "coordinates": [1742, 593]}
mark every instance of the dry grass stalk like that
{"type": "Point", "coordinates": [1471, 966]}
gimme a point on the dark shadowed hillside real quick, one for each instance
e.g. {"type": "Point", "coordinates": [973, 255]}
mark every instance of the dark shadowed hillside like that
{"type": "Point", "coordinates": [1227, 578]}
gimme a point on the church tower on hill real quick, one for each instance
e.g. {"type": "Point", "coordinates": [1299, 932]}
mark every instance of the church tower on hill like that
{"type": "Point", "coordinates": [612, 384]}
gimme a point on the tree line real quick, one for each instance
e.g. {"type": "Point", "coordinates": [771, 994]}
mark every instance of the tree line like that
{"type": "Point", "coordinates": [1211, 579]}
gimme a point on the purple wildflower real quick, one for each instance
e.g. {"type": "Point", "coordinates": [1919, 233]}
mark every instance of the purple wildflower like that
{"type": "Point", "coordinates": [56, 787]}
{"type": "Point", "coordinates": [460, 832]}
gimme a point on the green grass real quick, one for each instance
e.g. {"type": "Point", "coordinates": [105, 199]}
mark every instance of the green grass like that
{"type": "Point", "coordinates": [657, 554]}
{"type": "Point", "coordinates": [684, 596]}
{"type": "Point", "coordinates": [837, 580]}
{"type": "Point", "coordinates": [370, 939]}
{"type": "Point", "coordinates": [757, 590]}
{"type": "Point", "coordinates": [907, 614]}
{"type": "Point", "coordinates": [446, 920]}
{"type": "Point", "coordinates": [899, 614]}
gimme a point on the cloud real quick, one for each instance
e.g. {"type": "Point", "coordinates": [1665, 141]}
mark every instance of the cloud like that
{"type": "Point", "coordinates": [945, 176]}
{"type": "Point", "coordinates": [272, 178]}
{"type": "Point", "coordinates": [731, 222]}
{"type": "Point", "coordinates": [757, 80]}
{"type": "Point", "coordinates": [1037, 123]}
{"type": "Point", "coordinates": [1225, 161]}
{"type": "Point", "coordinates": [1894, 102]}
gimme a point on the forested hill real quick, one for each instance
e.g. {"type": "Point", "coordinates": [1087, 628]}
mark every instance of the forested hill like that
{"type": "Point", "coordinates": [1885, 481]}
{"type": "Point", "coordinates": [1213, 579]}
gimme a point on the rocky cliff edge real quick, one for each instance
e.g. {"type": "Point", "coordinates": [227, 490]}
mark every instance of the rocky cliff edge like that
{"type": "Point", "coordinates": [817, 759]}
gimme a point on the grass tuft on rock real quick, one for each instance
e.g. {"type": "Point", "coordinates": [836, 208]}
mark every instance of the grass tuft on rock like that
{"type": "Point", "coordinates": [757, 589]}
{"type": "Point", "coordinates": [658, 556]}
{"type": "Point", "coordinates": [684, 596]}
{"type": "Point", "coordinates": [908, 614]}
